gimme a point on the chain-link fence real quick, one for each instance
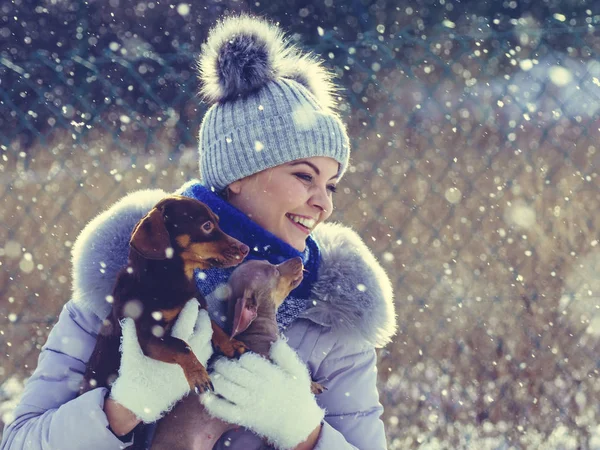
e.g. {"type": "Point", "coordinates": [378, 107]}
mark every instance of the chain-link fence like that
{"type": "Point", "coordinates": [474, 180]}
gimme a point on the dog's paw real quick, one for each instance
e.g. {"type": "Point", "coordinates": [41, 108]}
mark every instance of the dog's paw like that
{"type": "Point", "coordinates": [233, 348]}
{"type": "Point", "coordinates": [317, 388]}
{"type": "Point", "coordinates": [199, 380]}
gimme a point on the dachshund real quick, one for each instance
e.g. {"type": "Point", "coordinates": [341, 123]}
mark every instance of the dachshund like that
{"type": "Point", "coordinates": [257, 289]}
{"type": "Point", "coordinates": [177, 236]}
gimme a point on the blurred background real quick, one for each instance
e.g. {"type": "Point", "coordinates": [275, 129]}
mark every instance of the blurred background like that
{"type": "Point", "coordinates": [476, 145]}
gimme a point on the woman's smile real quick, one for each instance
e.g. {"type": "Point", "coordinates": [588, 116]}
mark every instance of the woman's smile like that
{"type": "Point", "coordinates": [304, 224]}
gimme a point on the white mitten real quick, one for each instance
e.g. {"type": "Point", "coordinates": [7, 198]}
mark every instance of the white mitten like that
{"type": "Point", "coordinates": [273, 399]}
{"type": "Point", "coordinates": [148, 387]}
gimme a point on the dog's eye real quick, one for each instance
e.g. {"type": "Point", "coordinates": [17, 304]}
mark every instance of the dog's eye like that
{"type": "Point", "coordinates": [207, 227]}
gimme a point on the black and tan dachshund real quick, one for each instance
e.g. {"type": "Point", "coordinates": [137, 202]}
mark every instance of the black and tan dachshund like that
{"type": "Point", "coordinates": [176, 237]}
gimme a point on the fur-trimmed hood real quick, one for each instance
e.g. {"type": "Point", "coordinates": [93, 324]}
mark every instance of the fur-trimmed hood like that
{"type": "Point", "coordinates": [352, 293]}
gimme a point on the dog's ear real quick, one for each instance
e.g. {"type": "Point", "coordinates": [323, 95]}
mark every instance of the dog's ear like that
{"type": "Point", "coordinates": [245, 312]}
{"type": "Point", "coordinates": [150, 237]}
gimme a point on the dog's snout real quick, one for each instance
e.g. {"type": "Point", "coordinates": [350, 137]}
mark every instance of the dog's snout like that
{"type": "Point", "coordinates": [235, 251]}
{"type": "Point", "coordinates": [238, 250]}
{"type": "Point", "coordinates": [296, 263]}
{"type": "Point", "coordinates": [292, 265]}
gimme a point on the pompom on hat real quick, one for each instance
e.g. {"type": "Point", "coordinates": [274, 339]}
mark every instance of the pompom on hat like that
{"type": "Point", "coordinates": [271, 103]}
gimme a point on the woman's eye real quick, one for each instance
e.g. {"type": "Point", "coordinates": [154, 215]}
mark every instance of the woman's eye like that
{"type": "Point", "coordinates": [309, 178]}
{"type": "Point", "coordinates": [304, 176]}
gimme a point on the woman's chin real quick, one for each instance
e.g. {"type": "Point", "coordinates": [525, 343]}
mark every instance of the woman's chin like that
{"type": "Point", "coordinates": [300, 247]}
{"type": "Point", "coordinates": [298, 244]}
{"type": "Point", "coordinates": [293, 239]}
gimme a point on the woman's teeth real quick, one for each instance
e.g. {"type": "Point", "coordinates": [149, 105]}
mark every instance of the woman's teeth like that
{"type": "Point", "coordinates": [308, 223]}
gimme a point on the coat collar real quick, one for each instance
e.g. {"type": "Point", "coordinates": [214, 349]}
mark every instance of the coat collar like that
{"type": "Point", "coordinates": [352, 294]}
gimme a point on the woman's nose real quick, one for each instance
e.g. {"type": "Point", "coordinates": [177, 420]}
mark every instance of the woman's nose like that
{"type": "Point", "coordinates": [322, 200]}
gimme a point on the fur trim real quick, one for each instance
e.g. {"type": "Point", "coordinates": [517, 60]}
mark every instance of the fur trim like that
{"type": "Point", "coordinates": [98, 253]}
{"type": "Point", "coordinates": [352, 292]}
{"type": "Point", "coordinates": [243, 53]}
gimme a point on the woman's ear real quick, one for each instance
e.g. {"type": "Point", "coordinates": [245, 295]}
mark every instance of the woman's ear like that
{"type": "Point", "coordinates": [235, 187]}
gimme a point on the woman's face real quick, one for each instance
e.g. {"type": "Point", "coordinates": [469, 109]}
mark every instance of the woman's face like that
{"type": "Point", "coordinates": [289, 200]}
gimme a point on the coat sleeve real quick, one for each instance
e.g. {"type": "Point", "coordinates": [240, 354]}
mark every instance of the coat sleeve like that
{"type": "Point", "coordinates": [351, 401]}
{"type": "Point", "coordinates": [49, 414]}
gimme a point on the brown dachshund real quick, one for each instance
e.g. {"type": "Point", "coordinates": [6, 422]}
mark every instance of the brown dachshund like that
{"type": "Point", "coordinates": [257, 289]}
{"type": "Point", "coordinates": [176, 237]}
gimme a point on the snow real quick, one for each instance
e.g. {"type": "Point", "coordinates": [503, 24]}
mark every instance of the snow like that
{"type": "Point", "coordinates": [12, 249]}
{"type": "Point", "coordinates": [560, 76]}
{"type": "Point", "coordinates": [183, 9]}
{"type": "Point", "coordinates": [580, 302]}
{"type": "Point", "coordinates": [10, 392]}
{"type": "Point", "coordinates": [520, 214]}
{"type": "Point", "coordinates": [133, 309]}
{"type": "Point", "coordinates": [304, 117]}
{"type": "Point", "coordinates": [453, 195]}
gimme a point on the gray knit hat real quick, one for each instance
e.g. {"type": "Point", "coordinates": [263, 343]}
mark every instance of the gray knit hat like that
{"type": "Point", "coordinates": [271, 103]}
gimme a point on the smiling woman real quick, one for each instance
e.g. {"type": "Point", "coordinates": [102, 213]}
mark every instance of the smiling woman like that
{"type": "Point", "coordinates": [272, 150]}
{"type": "Point", "coordinates": [289, 200]}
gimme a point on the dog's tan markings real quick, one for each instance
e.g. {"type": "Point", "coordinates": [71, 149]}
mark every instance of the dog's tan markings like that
{"type": "Point", "coordinates": [206, 249]}
{"type": "Point", "coordinates": [197, 256]}
{"type": "Point", "coordinates": [281, 292]}
{"type": "Point", "coordinates": [184, 240]}
{"type": "Point", "coordinates": [232, 348]}
{"type": "Point", "coordinates": [176, 351]}
{"type": "Point", "coordinates": [169, 314]}
{"type": "Point", "coordinates": [317, 388]}
{"type": "Point", "coordinates": [190, 266]}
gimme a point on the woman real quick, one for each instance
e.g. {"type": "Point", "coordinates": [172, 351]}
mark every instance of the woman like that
{"type": "Point", "coordinates": [272, 151]}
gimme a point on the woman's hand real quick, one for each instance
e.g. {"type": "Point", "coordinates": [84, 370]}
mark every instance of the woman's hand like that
{"type": "Point", "coordinates": [120, 419]}
{"type": "Point", "coordinates": [311, 441]}
{"type": "Point", "coordinates": [273, 399]}
{"type": "Point", "coordinates": [148, 387]}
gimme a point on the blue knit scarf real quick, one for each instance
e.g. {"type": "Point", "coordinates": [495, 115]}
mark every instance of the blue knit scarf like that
{"type": "Point", "coordinates": [263, 245]}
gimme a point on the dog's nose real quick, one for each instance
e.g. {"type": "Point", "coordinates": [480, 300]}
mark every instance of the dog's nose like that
{"type": "Point", "coordinates": [292, 265]}
{"type": "Point", "coordinates": [296, 262]}
{"type": "Point", "coordinates": [244, 249]}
